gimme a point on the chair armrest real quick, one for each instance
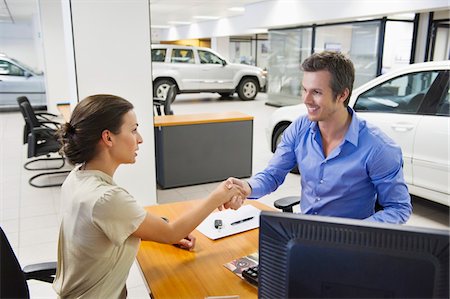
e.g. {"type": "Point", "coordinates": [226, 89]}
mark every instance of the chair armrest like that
{"type": "Point", "coordinates": [42, 271]}
{"type": "Point", "coordinates": [46, 113]}
{"type": "Point", "coordinates": [286, 203]}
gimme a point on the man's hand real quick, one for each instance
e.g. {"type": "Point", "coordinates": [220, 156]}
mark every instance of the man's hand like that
{"type": "Point", "coordinates": [187, 243]}
{"type": "Point", "coordinates": [236, 201]}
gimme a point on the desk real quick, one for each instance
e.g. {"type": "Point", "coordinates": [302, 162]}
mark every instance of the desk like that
{"type": "Point", "coordinates": [201, 148]}
{"type": "Point", "coordinates": [175, 273]}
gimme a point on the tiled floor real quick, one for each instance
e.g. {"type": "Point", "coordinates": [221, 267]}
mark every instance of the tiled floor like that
{"type": "Point", "coordinates": [29, 216]}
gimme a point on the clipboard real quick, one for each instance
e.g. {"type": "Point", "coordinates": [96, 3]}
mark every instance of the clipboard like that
{"type": "Point", "coordinates": [229, 216]}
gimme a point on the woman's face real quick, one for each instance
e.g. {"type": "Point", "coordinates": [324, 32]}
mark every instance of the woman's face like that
{"type": "Point", "coordinates": [126, 143]}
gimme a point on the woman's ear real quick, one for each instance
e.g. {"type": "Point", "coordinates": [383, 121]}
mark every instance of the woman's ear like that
{"type": "Point", "coordinates": [106, 137]}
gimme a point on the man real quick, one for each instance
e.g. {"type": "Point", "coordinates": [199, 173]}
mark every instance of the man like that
{"type": "Point", "coordinates": [346, 164]}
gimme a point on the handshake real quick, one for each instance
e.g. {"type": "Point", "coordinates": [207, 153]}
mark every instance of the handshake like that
{"type": "Point", "coordinates": [231, 193]}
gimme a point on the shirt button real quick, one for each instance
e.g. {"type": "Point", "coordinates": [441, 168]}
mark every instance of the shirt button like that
{"type": "Point", "coordinates": [321, 181]}
{"type": "Point", "coordinates": [317, 198]}
{"type": "Point", "coordinates": [315, 213]}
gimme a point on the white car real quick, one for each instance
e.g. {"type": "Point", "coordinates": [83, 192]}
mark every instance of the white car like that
{"type": "Point", "coordinates": [195, 69]}
{"type": "Point", "coordinates": [411, 105]}
{"type": "Point", "coordinates": [17, 80]}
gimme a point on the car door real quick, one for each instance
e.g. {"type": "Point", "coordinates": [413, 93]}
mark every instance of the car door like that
{"type": "Point", "coordinates": [431, 166]}
{"type": "Point", "coordinates": [182, 61]}
{"type": "Point", "coordinates": [214, 74]}
{"type": "Point", "coordinates": [393, 107]}
{"type": "Point", "coordinates": [16, 81]}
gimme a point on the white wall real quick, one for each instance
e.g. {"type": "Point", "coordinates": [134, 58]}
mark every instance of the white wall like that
{"type": "Point", "coordinates": [111, 55]}
{"type": "Point", "coordinates": [54, 52]}
{"type": "Point", "coordinates": [288, 13]}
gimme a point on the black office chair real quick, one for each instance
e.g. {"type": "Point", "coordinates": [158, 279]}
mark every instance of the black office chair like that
{"type": "Point", "coordinates": [41, 141]}
{"type": "Point", "coordinates": [165, 103]}
{"type": "Point", "coordinates": [286, 204]}
{"type": "Point", "coordinates": [44, 118]}
{"type": "Point", "coordinates": [13, 279]}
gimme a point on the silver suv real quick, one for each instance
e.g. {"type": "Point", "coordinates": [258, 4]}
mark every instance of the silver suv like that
{"type": "Point", "coordinates": [194, 69]}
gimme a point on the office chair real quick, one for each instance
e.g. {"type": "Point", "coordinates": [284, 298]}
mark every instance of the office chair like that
{"type": "Point", "coordinates": [41, 141]}
{"type": "Point", "coordinates": [44, 118]}
{"type": "Point", "coordinates": [166, 103]}
{"type": "Point", "coordinates": [13, 279]}
{"type": "Point", "coordinates": [286, 204]}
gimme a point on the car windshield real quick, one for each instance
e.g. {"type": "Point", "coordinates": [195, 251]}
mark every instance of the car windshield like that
{"type": "Point", "coordinates": [27, 68]}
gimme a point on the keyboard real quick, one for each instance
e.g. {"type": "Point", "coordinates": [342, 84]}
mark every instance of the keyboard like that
{"type": "Point", "coordinates": [251, 275]}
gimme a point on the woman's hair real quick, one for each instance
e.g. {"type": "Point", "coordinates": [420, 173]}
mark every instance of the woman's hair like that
{"type": "Point", "coordinates": [340, 67]}
{"type": "Point", "coordinates": [79, 137]}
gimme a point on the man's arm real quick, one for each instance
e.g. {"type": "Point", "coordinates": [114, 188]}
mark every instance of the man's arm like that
{"type": "Point", "coordinates": [386, 172]}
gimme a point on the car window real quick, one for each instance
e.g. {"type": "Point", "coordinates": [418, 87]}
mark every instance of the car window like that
{"type": "Point", "coordinates": [182, 56]}
{"type": "Point", "coordinates": [159, 55]}
{"type": "Point", "coordinates": [402, 94]}
{"type": "Point", "coordinates": [9, 69]}
{"type": "Point", "coordinates": [444, 103]}
{"type": "Point", "coordinates": [208, 57]}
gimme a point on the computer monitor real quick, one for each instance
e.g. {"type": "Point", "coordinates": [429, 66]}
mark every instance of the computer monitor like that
{"type": "Point", "coordinates": [304, 256]}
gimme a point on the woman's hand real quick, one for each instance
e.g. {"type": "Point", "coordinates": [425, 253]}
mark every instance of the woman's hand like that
{"type": "Point", "coordinates": [187, 243]}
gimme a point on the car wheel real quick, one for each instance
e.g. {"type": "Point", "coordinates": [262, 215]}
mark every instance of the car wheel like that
{"type": "Point", "coordinates": [247, 89]}
{"type": "Point", "coordinates": [277, 139]}
{"type": "Point", "coordinates": [160, 89]}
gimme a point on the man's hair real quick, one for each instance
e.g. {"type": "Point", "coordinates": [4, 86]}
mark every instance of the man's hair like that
{"type": "Point", "coordinates": [340, 67]}
{"type": "Point", "coordinates": [79, 137]}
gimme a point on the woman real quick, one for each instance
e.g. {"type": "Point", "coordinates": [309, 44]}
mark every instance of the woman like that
{"type": "Point", "coordinates": [102, 224]}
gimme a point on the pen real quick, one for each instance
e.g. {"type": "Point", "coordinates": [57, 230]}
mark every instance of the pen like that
{"type": "Point", "coordinates": [242, 220]}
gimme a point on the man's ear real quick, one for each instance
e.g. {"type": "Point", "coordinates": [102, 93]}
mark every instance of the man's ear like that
{"type": "Point", "coordinates": [106, 137]}
{"type": "Point", "coordinates": [343, 95]}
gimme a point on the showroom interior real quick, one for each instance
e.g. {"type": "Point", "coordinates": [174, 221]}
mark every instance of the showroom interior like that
{"type": "Point", "coordinates": [82, 47]}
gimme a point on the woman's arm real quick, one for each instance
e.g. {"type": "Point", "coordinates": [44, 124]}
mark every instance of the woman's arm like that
{"type": "Point", "coordinates": [153, 228]}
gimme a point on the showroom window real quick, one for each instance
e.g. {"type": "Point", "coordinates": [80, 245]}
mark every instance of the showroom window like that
{"type": "Point", "coordinates": [288, 48]}
{"type": "Point", "coordinates": [403, 94]}
{"type": "Point", "coordinates": [182, 56]}
{"type": "Point", "coordinates": [372, 45]}
{"type": "Point", "coordinates": [250, 49]}
{"type": "Point", "coordinates": [359, 41]}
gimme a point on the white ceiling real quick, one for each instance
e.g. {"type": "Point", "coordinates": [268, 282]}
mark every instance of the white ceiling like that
{"type": "Point", "coordinates": [165, 11]}
{"type": "Point", "coordinates": [162, 11]}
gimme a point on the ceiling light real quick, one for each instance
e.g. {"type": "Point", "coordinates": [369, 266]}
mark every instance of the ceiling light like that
{"type": "Point", "coordinates": [206, 17]}
{"type": "Point", "coordinates": [179, 23]}
{"type": "Point", "coordinates": [237, 8]}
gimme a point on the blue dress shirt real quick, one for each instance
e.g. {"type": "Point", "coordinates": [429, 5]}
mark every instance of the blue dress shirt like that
{"type": "Point", "coordinates": [367, 165]}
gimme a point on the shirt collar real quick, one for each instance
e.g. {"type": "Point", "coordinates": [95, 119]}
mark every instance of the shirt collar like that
{"type": "Point", "coordinates": [100, 174]}
{"type": "Point", "coordinates": [352, 132]}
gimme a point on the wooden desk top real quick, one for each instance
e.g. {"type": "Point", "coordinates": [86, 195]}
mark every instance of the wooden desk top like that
{"type": "Point", "coordinates": [175, 273]}
{"type": "Point", "coordinates": [199, 118]}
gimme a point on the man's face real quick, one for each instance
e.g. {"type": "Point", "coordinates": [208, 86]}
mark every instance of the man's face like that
{"type": "Point", "coordinates": [318, 96]}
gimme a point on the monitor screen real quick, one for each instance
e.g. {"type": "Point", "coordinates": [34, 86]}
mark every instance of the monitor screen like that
{"type": "Point", "coordinates": [304, 256]}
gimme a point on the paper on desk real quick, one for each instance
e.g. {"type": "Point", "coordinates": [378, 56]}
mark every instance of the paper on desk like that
{"type": "Point", "coordinates": [229, 216]}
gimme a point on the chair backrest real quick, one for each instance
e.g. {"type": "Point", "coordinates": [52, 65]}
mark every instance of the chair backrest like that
{"type": "Point", "coordinates": [26, 128]}
{"type": "Point", "coordinates": [12, 280]}
{"type": "Point", "coordinates": [30, 116]}
{"type": "Point", "coordinates": [170, 96]}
